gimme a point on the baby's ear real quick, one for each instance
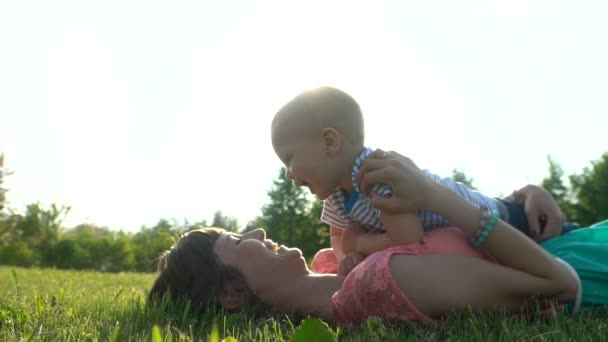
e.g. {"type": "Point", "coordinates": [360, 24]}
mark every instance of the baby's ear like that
{"type": "Point", "coordinates": [331, 141]}
{"type": "Point", "coordinates": [234, 295]}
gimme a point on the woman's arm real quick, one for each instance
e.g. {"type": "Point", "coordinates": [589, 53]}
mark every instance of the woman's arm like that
{"type": "Point", "coordinates": [509, 246]}
{"type": "Point", "coordinates": [413, 190]}
{"type": "Point", "coordinates": [440, 283]}
{"type": "Point", "coordinates": [539, 204]}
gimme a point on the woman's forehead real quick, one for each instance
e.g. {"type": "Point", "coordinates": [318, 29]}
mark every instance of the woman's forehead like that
{"type": "Point", "coordinates": [226, 236]}
{"type": "Point", "coordinates": [232, 234]}
{"type": "Point", "coordinates": [224, 242]}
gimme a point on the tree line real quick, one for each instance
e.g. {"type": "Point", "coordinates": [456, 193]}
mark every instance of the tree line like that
{"type": "Point", "coordinates": [37, 236]}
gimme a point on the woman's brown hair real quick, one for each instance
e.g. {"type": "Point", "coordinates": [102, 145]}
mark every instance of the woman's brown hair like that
{"type": "Point", "coordinates": [190, 271]}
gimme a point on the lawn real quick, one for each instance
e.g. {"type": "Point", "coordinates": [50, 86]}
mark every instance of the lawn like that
{"type": "Point", "coordinates": [59, 305]}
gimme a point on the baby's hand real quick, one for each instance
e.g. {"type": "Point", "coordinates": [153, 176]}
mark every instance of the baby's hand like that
{"type": "Point", "coordinates": [349, 262]}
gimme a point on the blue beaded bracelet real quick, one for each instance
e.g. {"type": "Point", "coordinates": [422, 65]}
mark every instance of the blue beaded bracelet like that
{"type": "Point", "coordinates": [485, 216]}
{"type": "Point", "coordinates": [483, 236]}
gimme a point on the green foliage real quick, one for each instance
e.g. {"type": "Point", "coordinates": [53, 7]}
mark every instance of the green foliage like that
{"type": "Point", "coordinates": [19, 253]}
{"type": "Point", "coordinates": [90, 247]}
{"type": "Point", "coordinates": [227, 222]}
{"type": "Point", "coordinates": [7, 222]}
{"type": "Point", "coordinates": [586, 200]}
{"type": "Point", "coordinates": [59, 305]}
{"type": "Point", "coordinates": [460, 176]}
{"type": "Point", "coordinates": [35, 234]}
{"type": "Point", "coordinates": [215, 334]}
{"type": "Point", "coordinates": [156, 336]}
{"type": "Point", "coordinates": [71, 253]}
{"type": "Point", "coordinates": [149, 243]}
{"type": "Point", "coordinates": [554, 183]}
{"type": "Point", "coordinates": [36, 237]}
{"type": "Point", "coordinates": [590, 190]}
{"type": "Point", "coordinates": [291, 218]}
{"type": "Point", "coordinates": [7, 228]}
{"type": "Point", "coordinates": [313, 330]}
{"type": "Point", "coordinates": [2, 189]}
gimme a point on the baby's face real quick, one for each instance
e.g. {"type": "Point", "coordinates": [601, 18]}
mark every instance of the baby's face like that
{"type": "Point", "coordinates": [306, 161]}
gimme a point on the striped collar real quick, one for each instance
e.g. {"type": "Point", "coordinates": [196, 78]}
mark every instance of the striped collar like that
{"type": "Point", "coordinates": [337, 197]}
{"type": "Point", "coordinates": [358, 162]}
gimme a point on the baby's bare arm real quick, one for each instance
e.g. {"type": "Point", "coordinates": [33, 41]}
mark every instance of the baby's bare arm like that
{"type": "Point", "coordinates": [368, 243]}
{"type": "Point", "coordinates": [335, 240]}
{"type": "Point", "coordinates": [402, 229]}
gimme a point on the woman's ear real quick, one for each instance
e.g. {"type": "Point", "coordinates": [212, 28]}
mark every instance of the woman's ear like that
{"type": "Point", "coordinates": [331, 141]}
{"type": "Point", "coordinates": [234, 295]}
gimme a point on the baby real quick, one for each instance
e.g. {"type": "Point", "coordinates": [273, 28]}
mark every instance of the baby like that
{"type": "Point", "coordinates": [319, 136]}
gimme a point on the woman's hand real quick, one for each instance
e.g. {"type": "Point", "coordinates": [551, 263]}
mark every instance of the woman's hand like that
{"type": "Point", "coordinates": [539, 206]}
{"type": "Point", "coordinates": [411, 187]}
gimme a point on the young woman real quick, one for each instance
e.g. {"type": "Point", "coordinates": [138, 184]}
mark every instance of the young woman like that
{"type": "Point", "coordinates": [485, 264]}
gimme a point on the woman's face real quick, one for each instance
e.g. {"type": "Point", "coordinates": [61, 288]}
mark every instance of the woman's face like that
{"type": "Point", "coordinates": [259, 259]}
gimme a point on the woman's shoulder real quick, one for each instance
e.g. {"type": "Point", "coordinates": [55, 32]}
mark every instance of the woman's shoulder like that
{"type": "Point", "coordinates": [451, 240]}
{"type": "Point", "coordinates": [370, 290]}
{"type": "Point", "coordinates": [448, 240]}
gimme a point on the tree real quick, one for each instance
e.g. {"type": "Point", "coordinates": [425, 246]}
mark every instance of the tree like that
{"type": "Point", "coordinates": [460, 176]}
{"type": "Point", "coordinates": [71, 253]}
{"type": "Point", "coordinates": [590, 193]}
{"type": "Point", "coordinates": [149, 243]}
{"type": "Point", "coordinates": [38, 230]}
{"type": "Point", "coordinates": [291, 219]}
{"type": "Point", "coordinates": [88, 246]}
{"type": "Point", "coordinates": [227, 222]}
{"type": "Point", "coordinates": [2, 189]}
{"type": "Point", "coordinates": [122, 253]}
{"type": "Point", "coordinates": [555, 185]}
{"type": "Point", "coordinates": [7, 224]}
{"type": "Point", "coordinates": [19, 254]}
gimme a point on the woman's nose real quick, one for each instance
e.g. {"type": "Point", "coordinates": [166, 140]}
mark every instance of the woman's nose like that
{"type": "Point", "coordinates": [256, 234]}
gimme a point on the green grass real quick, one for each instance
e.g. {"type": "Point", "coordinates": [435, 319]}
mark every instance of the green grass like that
{"type": "Point", "coordinates": [58, 305]}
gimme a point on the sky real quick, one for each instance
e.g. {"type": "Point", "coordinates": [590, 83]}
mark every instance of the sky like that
{"type": "Point", "coordinates": [129, 112]}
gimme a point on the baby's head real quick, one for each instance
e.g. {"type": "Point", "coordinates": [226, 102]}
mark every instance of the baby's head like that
{"type": "Point", "coordinates": [318, 136]}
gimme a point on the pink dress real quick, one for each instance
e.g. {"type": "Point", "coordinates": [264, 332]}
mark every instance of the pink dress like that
{"type": "Point", "coordinates": [370, 290]}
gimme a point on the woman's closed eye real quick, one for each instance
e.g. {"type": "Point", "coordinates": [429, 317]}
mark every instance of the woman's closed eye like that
{"type": "Point", "coordinates": [238, 238]}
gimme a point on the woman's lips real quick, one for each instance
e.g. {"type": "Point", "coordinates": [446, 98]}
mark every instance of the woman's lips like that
{"type": "Point", "coordinates": [282, 250]}
{"type": "Point", "coordinates": [289, 252]}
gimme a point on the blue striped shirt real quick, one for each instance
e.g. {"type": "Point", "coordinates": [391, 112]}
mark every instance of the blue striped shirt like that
{"type": "Point", "coordinates": [338, 212]}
